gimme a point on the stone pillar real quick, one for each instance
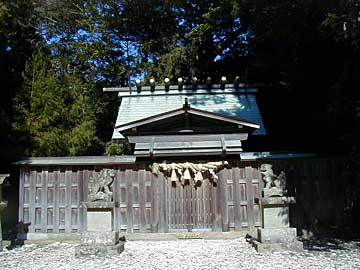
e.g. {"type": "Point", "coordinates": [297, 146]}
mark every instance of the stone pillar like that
{"type": "Point", "coordinates": [2, 205]}
{"type": "Point", "coordinates": [276, 233]}
{"type": "Point", "coordinates": [99, 238]}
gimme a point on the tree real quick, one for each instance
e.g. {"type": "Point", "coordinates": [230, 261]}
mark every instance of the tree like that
{"type": "Point", "coordinates": [55, 114]}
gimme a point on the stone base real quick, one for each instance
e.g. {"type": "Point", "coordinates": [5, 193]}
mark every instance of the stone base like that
{"type": "Point", "coordinates": [295, 246]}
{"type": "Point", "coordinates": [99, 250]}
{"type": "Point", "coordinates": [277, 239]}
{"type": "Point", "coordinates": [99, 238]}
{"type": "Point", "coordinates": [99, 244]}
{"type": "Point", "coordinates": [276, 235]}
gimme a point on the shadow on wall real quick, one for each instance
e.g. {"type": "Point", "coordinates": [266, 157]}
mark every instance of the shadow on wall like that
{"type": "Point", "coordinates": [10, 213]}
{"type": "Point", "coordinates": [327, 197]}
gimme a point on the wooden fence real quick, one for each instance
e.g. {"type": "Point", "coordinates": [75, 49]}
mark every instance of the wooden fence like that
{"type": "Point", "coordinates": [49, 200]}
{"type": "Point", "coordinates": [50, 197]}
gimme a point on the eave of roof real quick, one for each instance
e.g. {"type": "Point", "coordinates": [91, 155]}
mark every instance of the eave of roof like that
{"type": "Point", "coordinates": [249, 156]}
{"type": "Point", "coordinates": [85, 160]}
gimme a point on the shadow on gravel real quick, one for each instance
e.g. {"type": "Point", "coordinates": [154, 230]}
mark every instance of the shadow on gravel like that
{"type": "Point", "coordinates": [330, 244]}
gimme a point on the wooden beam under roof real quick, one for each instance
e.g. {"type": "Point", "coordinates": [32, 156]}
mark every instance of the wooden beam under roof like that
{"type": "Point", "coordinates": [189, 138]}
{"type": "Point", "coordinates": [186, 152]}
{"type": "Point", "coordinates": [187, 145]}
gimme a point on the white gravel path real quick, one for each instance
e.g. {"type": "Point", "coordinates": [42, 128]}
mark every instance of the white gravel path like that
{"type": "Point", "coordinates": [182, 254]}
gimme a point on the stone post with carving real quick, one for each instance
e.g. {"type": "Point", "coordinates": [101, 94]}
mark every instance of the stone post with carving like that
{"type": "Point", "coordinates": [99, 238]}
{"type": "Point", "coordinates": [276, 233]}
{"type": "Point", "coordinates": [2, 205]}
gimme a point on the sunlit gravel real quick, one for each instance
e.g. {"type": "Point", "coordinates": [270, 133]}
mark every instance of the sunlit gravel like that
{"type": "Point", "coordinates": [182, 254]}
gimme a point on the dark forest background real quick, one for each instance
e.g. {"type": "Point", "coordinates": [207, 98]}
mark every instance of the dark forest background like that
{"type": "Point", "coordinates": [56, 56]}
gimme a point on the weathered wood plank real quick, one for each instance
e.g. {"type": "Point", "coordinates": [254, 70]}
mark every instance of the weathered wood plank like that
{"type": "Point", "coordinates": [250, 195]}
{"type": "Point", "coordinates": [123, 201]}
{"type": "Point", "coordinates": [162, 211]}
{"type": "Point", "coordinates": [223, 199]}
{"type": "Point", "coordinates": [32, 192]}
{"type": "Point", "coordinates": [68, 175]}
{"type": "Point", "coordinates": [44, 208]}
{"type": "Point", "coordinates": [237, 198]}
{"type": "Point", "coordinates": [129, 176]}
{"type": "Point", "coordinates": [82, 212]}
{"type": "Point", "coordinates": [142, 198]}
{"type": "Point", "coordinates": [21, 197]}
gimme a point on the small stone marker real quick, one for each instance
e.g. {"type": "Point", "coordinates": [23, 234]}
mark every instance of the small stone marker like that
{"type": "Point", "coordinates": [99, 238]}
{"type": "Point", "coordinates": [276, 233]}
{"type": "Point", "coordinates": [2, 205]}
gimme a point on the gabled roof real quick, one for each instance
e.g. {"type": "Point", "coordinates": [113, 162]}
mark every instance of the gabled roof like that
{"type": "Point", "coordinates": [233, 104]}
{"type": "Point", "coordinates": [183, 110]}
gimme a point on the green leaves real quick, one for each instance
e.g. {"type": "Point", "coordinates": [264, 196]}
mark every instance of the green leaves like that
{"type": "Point", "coordinates": [55, 110]}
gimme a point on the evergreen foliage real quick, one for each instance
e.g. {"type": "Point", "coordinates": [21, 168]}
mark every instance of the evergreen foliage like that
{"type": "Point", "coordinates": [58, 118]}
{"type": "Point", "coordinates": [56, 56]}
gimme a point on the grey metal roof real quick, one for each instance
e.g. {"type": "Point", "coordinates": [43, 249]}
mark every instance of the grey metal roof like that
{"type": "Point", "coordinates": [85, 160]}
{"type": "Point", "coordinates": [241, 105]}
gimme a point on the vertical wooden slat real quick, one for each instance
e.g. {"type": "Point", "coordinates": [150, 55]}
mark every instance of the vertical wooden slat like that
{"type": "Point", "coordinates": [129, 177]}
{"type": "Point", "coordinates": [219, 201]}
{"type": "Point", "coordinates": [176, 206]}
{"type": "Point", "coordinates": [136, 199]}
{"type": "Point", "coordinates": [116, 192]}
{"type": "Point", "coordinates": [21, 196]}
{"type": "Point", "coordinates": [162, 210]}
{"type": "Point", "coordinates": [151, 194]}
{"type": "Point", "coordinates": [32, 201]}
{"type": "Point", "coordinates": [216, 219]}
{"type": "Point", "coordinates": [249, 191]}
{"type": "Point", "coordinates": [142, 197]}
{"type": "Point", "coordinates": [188, 208]}
{"type": "Point", "coordinates": [81, 211]}
{"type": "Point", "coordinates": [182, 205]}
{"type": "Point", "coordinates": [237, 200]}
{"type": "Point", "coordinates": [222, 199]}
{"type": "Point", "coordinates": [123, 215]}
{"type": "Point", "coordinates": [208, 205]}
{"type": "Point", "coordinates": [205, 204]}
{"type": "Point", "coordinates": [168, 204]}
{"type": "Point", "coordinates": [56, 175]}
{"type": "Point", "coordinates": [201, 207]}
{"type": "Point", "coordinates": [44, 208]}
{"type": "Point", "coordinates": [258, 187]}
{"type": "Point", "coordinates": [68, 177]}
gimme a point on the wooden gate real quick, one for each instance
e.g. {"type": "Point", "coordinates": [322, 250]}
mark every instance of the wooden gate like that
{"type": "Point", "coordinates": [230, 206]}
{"type": "Point", "coordinates": [190, 209]}
{"type": "Point", "coordinates": [238, 189]}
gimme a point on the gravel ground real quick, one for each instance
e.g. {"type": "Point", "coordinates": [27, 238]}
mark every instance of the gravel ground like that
{"type": "Point", "coordinates": [184, 254]}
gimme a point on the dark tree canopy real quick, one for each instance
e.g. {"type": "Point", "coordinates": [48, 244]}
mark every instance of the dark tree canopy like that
{"type": "Point", "coordinates": [56, 56]}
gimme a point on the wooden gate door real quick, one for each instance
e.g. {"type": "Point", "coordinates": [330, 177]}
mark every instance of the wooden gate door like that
{"type": "Point", "coordinates": [238, 189]}
{"type": "Point", "coordinates": [190, 209]}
